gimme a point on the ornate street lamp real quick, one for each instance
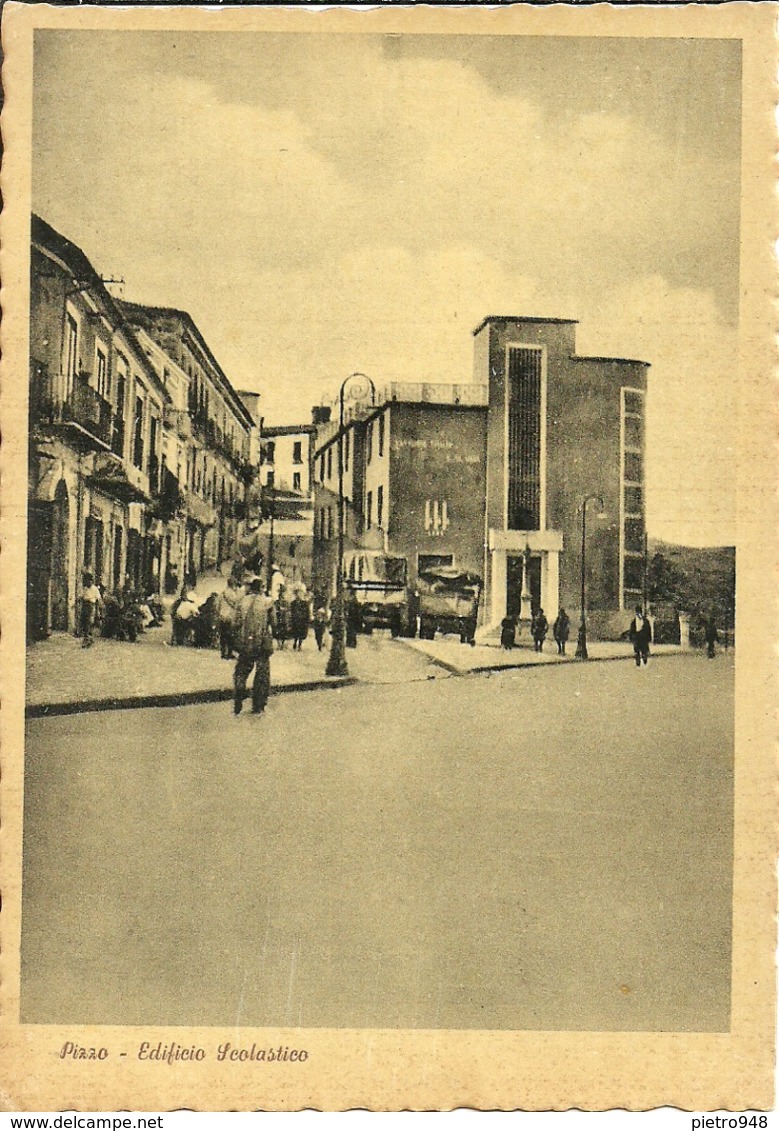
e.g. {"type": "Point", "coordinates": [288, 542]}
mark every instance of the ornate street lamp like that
{"type": "Point", "coordinates": [581, 646]}
{"type": "Point", "coordinates": [361, 385]}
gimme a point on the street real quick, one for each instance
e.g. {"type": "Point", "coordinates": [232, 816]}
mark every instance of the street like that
{"type": "Point", "coordinates": [549, 848]}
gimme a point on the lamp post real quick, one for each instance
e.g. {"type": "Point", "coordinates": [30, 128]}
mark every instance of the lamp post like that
{"type": "Point", "coordinates": [271, 509]}
{"type": "Point", "coordinates": [581, 646]}
{"type": "Point", "coordinates": [336, 664]}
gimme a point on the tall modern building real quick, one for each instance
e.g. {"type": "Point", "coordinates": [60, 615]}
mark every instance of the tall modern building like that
{"type": "Point", "coordinates": [561, 429]}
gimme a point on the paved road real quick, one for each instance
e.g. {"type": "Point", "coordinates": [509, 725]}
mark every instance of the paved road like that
{"type": "Point", "coordinates": [544, 849]}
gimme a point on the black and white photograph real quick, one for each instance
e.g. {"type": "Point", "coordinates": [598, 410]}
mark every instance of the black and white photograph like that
{"type": "Point", "coordinates": [383, 519]}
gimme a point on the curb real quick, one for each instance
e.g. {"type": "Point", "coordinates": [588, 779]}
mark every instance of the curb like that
{"type": "Point", "coordinates": [171, 699]}
{"type": "Point", "coordinates": [225, 694]}
{"type": "Point", "coordinates": [517, 665]}
{"type": "Point", "coordinates": [569, 660]}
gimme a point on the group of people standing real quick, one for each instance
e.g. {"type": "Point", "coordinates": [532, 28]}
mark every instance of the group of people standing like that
{"type": "Point", "coordinates": [120, 614]}
{"type": "Point", "coordinates": [539, 628]}
{"type": "Point", "coordinates": [291, 620]}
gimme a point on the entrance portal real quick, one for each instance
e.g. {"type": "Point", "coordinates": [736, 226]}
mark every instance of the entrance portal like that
{"type": "Point", "coordinates": [515, 565]}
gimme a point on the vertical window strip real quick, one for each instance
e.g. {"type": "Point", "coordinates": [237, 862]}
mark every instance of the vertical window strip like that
{"type": "Point", "coordinates": [524, 441]}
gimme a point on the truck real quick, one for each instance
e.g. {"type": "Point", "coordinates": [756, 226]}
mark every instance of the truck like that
{"type": "Point", "coordinates": [445, 599]}
{"type": "Point", "coordinates": [448, 602]}
{"type": "Point", "coordinates": [379, 581]}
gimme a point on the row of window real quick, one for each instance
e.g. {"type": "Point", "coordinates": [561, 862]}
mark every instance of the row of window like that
{"type": "Point", "coordinates": [205, 405]}
{"type": "Point", "coordinates": [632, 476]}
{"type": "Point", "coordinates": [204, 479]}
{"type": "Point", "coordinates": [297, 480]}
{"type": "Point", "coordinates": [375, 428]}
{"type": "Point", "coordinates": [101, 375]}
{"type": "Point", "coordinates": [323, 516]}
{"type": "Point", "coordinates": [268, 454]}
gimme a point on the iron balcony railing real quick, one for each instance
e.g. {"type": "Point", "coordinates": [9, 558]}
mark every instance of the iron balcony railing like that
{"type": "Point", "coordinates": [81, 406]}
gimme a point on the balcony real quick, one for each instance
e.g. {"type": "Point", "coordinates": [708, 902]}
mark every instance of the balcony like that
{"type": "Point", "coordinates": [85, 417]}
{"type": "Point", "coordinates": [118, 479]}
{"type": "Point", "coordinates": [170, 499]}
{"type": "Point", "coordinates": [198, 509]}
{"type": "Point", "coordinates": [178, 420]}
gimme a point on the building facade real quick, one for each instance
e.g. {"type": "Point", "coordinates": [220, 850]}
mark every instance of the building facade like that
{"type": "Point", "coordinates": [139, 446]}
{"type": "Point", "coordinates": [414, 470]}
{"type": "Point", "coordinates": [97, 412]}
{"type": "Point", "coordinates": [211, 434]}
{"type": "Point", "coordinates": [561, 428]}
{"type": "Point", "coordinates": [286, 487]}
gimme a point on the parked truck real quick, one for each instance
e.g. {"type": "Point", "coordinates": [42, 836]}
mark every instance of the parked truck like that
{"type": "Point", "coordinates": [379, 581]}
{"type": "Point", "coordinates": [445, 599]}
{"type": "Point", "coordinates": [448, 602]}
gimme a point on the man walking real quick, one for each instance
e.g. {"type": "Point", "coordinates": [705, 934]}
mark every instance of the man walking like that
{"type": "Point", "coordinates": [254, 641]}
{"type": "Point", "coordinates": [561, 631]}
{"type": "Point", "coordinates": [712, 637]}
{"type": "Point", "coordinates": [91, 604]}
{"type": "Point", "coordinates": [320, 624]}
{"type": "Point", "coordinates": [640, 635]}
{"type": "Point", "coordinates": [300, 616]}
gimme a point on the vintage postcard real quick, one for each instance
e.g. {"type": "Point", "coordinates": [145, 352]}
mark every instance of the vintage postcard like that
{"type": "Point", "coordinates": [389, 558]}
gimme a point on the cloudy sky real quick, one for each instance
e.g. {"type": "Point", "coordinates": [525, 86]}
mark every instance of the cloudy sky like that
{"type": "Point", "coordinates": [329, 203]}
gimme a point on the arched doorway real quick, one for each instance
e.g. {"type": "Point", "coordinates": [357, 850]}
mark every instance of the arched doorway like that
{"type": "Point", "coordinates": [60, 557]}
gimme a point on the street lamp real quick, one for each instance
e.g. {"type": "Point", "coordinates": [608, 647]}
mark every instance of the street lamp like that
{"type": "Point", "coordinates": [581, 646]}
{"type": "Point", "coordinates": [272, 510]}
{"type": "Point", "coordinates": [336, 664]}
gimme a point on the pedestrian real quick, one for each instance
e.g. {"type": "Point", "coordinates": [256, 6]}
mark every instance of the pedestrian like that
{"type": "Point", "coordinates": [320, 625]}
{"type": "Point", "coordinates": [227, 607]}
{"type": "Point", "coordinates": [281, 628]}
{"type": "Point", "coordinates": [300, 617]}
{"type": "Point", "coordinates": [508, 633]}
{"type": "Point", "coordinates": [539, 628]}
{"type": "Point", "coordinates": [254, 641]}
{"type": "Point", "coordinates": [277, 582]}
{"type": "Point", "coordinates": [112, 612]}
{"type": "Point", "coordinates": [561, 630]}
{"type": "Point", "coordinates": [353, 620]}
{"type": "Point", "coordinates": [204, 625]}
{"type": "Point", "coordinates": [711, 636]}
{"type": "Point", "coordinates": [640, 636]}
{"type": "Point", "coordinates": [132, 616]}
{"type": "Point", "coordinates": [183, 617]}
{"type": "Point", "coordinates": [91, 606]}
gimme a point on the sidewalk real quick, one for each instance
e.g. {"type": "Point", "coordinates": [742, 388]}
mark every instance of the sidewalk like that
{"type": "Point", "coordinates": [64, 678]}
{"type": "Point", "coordinates": [462, 660]}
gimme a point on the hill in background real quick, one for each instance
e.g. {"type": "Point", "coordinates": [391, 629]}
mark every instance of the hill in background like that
{"type": "Point", "coordinates": [697, 580]}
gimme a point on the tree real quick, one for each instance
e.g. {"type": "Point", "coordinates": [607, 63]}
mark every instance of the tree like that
{"type": "Point", "coordinates": [668, 583]}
